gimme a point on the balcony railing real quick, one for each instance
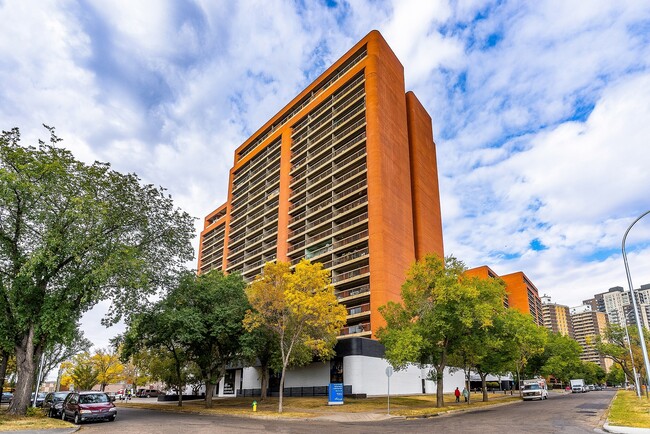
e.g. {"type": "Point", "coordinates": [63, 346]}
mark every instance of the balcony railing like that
{"type": "Point", "coordinates": [363, 289]}
{"type": "Point", "coordinates": [351, 274]}
{"type": "Point", "coordinates": [349, 256]}
{"type": "Point", "coordinates": [357, 328]}
{"type": "Point", "coordinates": [355, 310]}
{"type": "Point", "coordinates": [351, 239]}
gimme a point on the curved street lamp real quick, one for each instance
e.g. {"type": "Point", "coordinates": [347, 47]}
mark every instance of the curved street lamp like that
{"type": "Point", "coordinates": [634, 305]}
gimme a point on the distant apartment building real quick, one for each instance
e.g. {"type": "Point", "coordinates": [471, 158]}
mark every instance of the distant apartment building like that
{"type": "Point", "coordinates": [524, 296]}
{"type": "Point", "coordinates": [521, 294]}
{"type": "Point", "coordinates": [588, 325]}
{"type": "Point", "coordinates": [617, 304]}
{"type": "Point", "coordinates": [485, 272]}
{"type": "Point", "coordinates": [345, 175]}
{"type": "Point", "coordinates": [557, 317]}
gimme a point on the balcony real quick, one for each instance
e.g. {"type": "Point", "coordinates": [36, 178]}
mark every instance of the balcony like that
{"type": "Point", "coordinates": [352, 274]}
{"type": "Point", "coordinates": [358, 311]}
{"type": "Point", "coordinates": [352, 293]}
{"type": "Point", "coordinates": [350, 256]}
{"type": "Point", "coordinates": [357, 329]}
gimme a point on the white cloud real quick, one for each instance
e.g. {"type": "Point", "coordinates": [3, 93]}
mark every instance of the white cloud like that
{"type": "Point", "coordinates": [169, 90]}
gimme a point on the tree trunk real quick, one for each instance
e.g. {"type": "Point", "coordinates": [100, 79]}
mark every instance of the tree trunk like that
{"type": "Point", "coordinates": [469, 394]}
{"type": "Point", "coordinates": [264, 382]}
{"type": "Point", "coordinates": [25, 369]}
{"type": "Point", "coordinates": [284, 370]}
{"type": "Point", "coordinates": [179, 391]}
{"type": "Point", "coordinates": [484, 387]}
{"type": "Point", "coordinates": [3, 368]}
{"type": "Point", "coordinates": [209, 390]}
{"type": "Point", "coordinates": [440, 398]}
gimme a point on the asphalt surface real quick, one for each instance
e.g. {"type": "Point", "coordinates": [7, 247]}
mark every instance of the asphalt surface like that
{"type": "Point", "coordinates": [570, 413]}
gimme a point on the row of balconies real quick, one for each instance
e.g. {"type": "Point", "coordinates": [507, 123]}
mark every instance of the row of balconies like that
{"type": "Point", "coordinates": [312, 172]}
{"type": "Point", "coordinates": [294, 110]}
{"type": "Point", "coordinates": [332, 120]}
{"type": "Point", "coordinates": [339, 177]}
{"type": "Point", "coordinates": [308, 121]}
{"type": "Point", "coordinates": [252, 210]}
{"type": "Point", "coordinates": [335, 227]}
{"type": "Point", "coordinates": [333, 134]}
{"type": "Point", "coordinates": [335, 213]}
{"type": "Point", "coordinates": [245, 173]}
{"type": "Point", "coordinates": [296, 204]}
{"type": "Point", "coordinates": [298, 230]}
{"type": "Point", "coordinates": [260, 180]}
{"type": "Point", "coordinates": [293, 247]}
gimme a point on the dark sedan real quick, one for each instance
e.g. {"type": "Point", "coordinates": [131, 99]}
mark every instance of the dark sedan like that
{"type": "Point", "coordinates": [53, 403]}
{"type": "Point", "coordinates": [6, 397]}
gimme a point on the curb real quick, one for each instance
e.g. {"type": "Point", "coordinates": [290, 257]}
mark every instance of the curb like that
{"type": "Point", "coordinates": [624, 429]}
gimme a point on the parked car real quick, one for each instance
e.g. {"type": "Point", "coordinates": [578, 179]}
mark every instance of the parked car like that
{"type": "Point", "coordinates": [53, 402]}
{"type": "Point", "coordinates": [85, 406]}
{"type": "Point", "coordinates": [6, 397]}
{"type": "Point", "coordinates": [148, 393]}
{"type": "Point", "coordinates": [40, 397]}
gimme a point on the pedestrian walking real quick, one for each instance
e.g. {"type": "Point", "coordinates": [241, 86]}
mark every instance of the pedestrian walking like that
{"type": "Point", "coordinates": [457, 394]}
{"type": "Point", "coordinates": [465, 394]}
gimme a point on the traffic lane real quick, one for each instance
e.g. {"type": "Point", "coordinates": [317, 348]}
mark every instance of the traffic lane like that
{"type": "Point", "coordinates": [571, 413]}
{"type": "Point", "coordinates": [566, 413]}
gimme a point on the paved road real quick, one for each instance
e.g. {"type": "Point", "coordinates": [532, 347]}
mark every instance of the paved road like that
{"type": "Point", "coordinates": [572, 413]}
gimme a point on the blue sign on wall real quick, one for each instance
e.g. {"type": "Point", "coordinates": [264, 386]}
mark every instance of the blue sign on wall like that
{"type": "Point", "coordinates": [335, 393]}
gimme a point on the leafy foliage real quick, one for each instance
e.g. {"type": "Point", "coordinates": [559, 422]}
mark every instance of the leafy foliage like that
{"type": "Point", "coordinates": [213, 305]}
{"type": "Point", "coordinates": [299, 309]}
{"type": "Point", "coordinates": [440, 309]}
{"type": "Point", "coordinates": [73, 234]}
{"type": "Point", "coordinates": [108, 366]}
{"type": "Point", "coordinates": [615, 346]}
{"type": "Point", "coordinates": [79, 373]}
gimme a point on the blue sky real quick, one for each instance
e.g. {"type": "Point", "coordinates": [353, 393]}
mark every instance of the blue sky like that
{"type": "Point", "coordinates": [541, 110]}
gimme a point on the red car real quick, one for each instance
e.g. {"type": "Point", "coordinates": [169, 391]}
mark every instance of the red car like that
{"type": "Point", "coordinates": [86, 406]}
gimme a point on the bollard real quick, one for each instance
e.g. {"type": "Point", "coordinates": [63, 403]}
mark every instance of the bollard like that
{"type": "Point", "coordinates": [254, 405]}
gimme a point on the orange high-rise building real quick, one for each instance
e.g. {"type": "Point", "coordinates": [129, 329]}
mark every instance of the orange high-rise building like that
{"type": "Point", "coordinates": [523, 296]}
{"type": "Point", "coordinates": [345, 175]}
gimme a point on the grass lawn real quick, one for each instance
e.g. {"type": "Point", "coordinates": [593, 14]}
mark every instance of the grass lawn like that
{"type": "Point", "coordinates": [628, 410]}
{"type": "Point", "coordinates": [36, 422]}
{"type": "Point", "coordinates": [309, 407]}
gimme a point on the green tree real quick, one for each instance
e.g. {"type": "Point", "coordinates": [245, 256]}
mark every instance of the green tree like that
{"type": "Point", "coordinates": [71, 235]}
{"type": "Point", "coordinates": [153, 335]}
{"type": "Point", "coordinates": [58, 352]}
{"type": "Point", "coordinates": [494, 359]}
{"type": "Point", "coordinates": [299, 309]}
{"type": "Point", "coordinates": [561, 357]}
{"type": "Point", "coordinates": [440, 310]}
{"type": "Point", "coordinates": [616, 347]}
{"type": "Point", "coordinates": [261, 346]}
{"type": "Point", "coordinates": [214, 305]}
{"type": "Point", "coordinates": [615, 376]}
{"type": "Point", "coordinates": [523, 340]}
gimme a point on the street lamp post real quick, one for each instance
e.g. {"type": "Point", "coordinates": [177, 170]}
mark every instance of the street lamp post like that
{"type": "Point", "coordinates": [634, 304]}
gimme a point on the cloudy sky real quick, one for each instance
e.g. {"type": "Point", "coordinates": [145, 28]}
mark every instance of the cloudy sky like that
{"type": "Point", "coordinates": [541, 110]}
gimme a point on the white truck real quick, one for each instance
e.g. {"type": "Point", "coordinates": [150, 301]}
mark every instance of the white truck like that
{"type": "Point", "coordinates": [534, 389]}
{"type": "Point", "coordinates": [578, 386]}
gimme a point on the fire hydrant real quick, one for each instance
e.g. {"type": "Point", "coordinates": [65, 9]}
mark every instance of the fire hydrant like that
{"type": "Point", "coordinates": [254, 405]}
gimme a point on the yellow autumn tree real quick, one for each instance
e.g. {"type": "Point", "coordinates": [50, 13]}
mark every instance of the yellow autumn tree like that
{"type": "Point", "coordinates": [108, 367]}
{"type": "Point", "coordinates": [299, 309]}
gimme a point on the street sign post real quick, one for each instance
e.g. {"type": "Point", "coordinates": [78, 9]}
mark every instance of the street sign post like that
{"type": "Point", "coordinates": [389, 372]}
